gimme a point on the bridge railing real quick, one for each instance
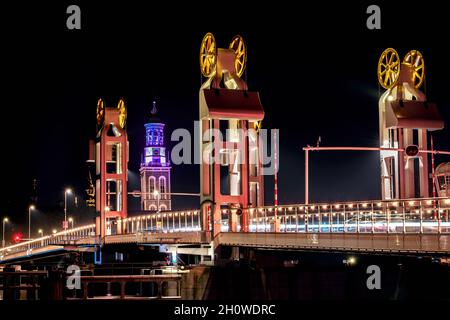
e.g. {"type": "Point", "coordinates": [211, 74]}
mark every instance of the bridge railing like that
{"type": "Point", "coordinates": [429, 215]}
{"type": "Point", "coordinates": [55, 239]}
{"type": "Point", "coordinates": [170, 221]}
{"type": "Point", "coordinates": [424, 215]}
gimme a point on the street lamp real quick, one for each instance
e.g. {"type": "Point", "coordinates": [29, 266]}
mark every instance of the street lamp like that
{"type": "Point", "coordinates": [66, 192]}
{"type": "Point", "coordinates": [157, 196]}
{"type": "Point", "coordinates": [5, 220]}
{"type": "Point", "coordinates": [41, 232]}
{"type": "Point", "coordinates": [71, 222]}
{"type": "Point", "coordinates": [54, 231]}
{"type": "Point", "coordinates": [30, 208]}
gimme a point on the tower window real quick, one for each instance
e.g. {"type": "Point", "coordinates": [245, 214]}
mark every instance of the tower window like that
{"type": "Point", "coordinates": [162, 185]}
{"type": "Point", "coordinates": [151, 185]}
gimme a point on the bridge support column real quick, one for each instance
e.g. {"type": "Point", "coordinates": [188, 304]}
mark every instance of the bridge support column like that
{"type": "Point", "coordinates": [235, 253]}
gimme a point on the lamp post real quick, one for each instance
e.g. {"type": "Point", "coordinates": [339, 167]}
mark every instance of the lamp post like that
{"type": "Point", "coordinates": [158, 197]}
{"type": "Point", "coordinates": [5, 220]}
{"type": "Point", "coordinates": [66, 192]}
{"type": "Point", "coordinates": [30, 208]}
{"type": "Point", "coordinates": [41, 232]}
{"type": "Point", "coordinates": [71, 222]}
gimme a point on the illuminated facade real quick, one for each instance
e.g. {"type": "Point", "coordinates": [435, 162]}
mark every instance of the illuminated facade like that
{"type": "Point", "coordinates": [231, 178]}
{"type": "Point", "coordinates": [405, 119]}
{"type": "Point", "coordinates": [110, 152]}
{"type": "Point", "coordinates": [155, 167]}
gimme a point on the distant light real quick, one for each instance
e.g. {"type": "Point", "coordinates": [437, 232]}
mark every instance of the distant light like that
{"type": "Point", "coordinates": [70, 219]}
{"type": "Point", "coordinates": [69, 191]}
{"type": "Point", "coordinates": [428, 202]}
{"type": "Point", "coordinates": [336, 206]}
{"type": "Point", "coordinates": [350, 205]}
{"type": "Point", "coordinates": [54, 231]}
{"type": "Point", "coordinates": [174, 257]}
{"type": "Point", "coordinates": [411, 203]}
{"type": "Point", "coordinates": [32, 207]}
{"type": "Point", "coordinates": [5, 219]}
{"type": "Point", "coordinates": [324, 207]}
{"type": "Point", "coordinates": [351, 260]}
{"type": "Point", "coordinates": [364, 205]}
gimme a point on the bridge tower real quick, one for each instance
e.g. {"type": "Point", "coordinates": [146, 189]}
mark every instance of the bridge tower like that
{"type": "Point", "coordinates": [405, 120]}
{"type": "Point", "coordinates": [230, 116]}
{"type": "Point", "coordinates": [155, 167]}
{"type": "Point", "coordinates": [111, 165]}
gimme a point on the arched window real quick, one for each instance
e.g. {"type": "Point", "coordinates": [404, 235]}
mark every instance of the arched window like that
{"type": "Point", "coordinates": [151, 186]}
{"type": "Point", "coordinates": [152, 207]}
{"type": "Point", "coordinates": [162, 207]}
{"type": "Point", "coordinates": [162, 185]}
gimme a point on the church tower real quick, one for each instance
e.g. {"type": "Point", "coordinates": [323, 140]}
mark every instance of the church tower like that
{"type": "Point", "coordinates": [155, 167]}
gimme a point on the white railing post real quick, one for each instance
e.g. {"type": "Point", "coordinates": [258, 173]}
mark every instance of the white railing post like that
{"type": "Point", "coordinates": [330, 220]}
{"type": "Point", "coordinates": [357, 218]}
{"type": "Point", "coordinates": [404, 218]}
{"type": "Point", "coordinates": [439, 217]}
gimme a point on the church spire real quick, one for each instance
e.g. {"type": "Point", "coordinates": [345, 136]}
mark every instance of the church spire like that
{"type": "Point", "coordinates": [154, 110]}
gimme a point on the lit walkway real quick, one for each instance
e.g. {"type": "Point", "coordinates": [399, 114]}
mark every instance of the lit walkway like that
{"type": "Point", "coordinates": [412, 225]}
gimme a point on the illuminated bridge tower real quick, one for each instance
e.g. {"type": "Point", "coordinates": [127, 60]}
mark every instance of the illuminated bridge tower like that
{"type": "Point", "coordinates": [155, 167]}
{"type": "Point", "coordinates": [231, 178]}
{"type": "Point", "coordinates": [111, 163]}
{"type": "Point", "coordinates": [405, 119]}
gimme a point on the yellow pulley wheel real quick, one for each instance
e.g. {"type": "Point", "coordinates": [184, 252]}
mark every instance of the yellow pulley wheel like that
{"type": "Point", "coordinates": [388, 68]}
{"type": "Point", "coordinates": [208, 55]}
{"type": "Point", "coordinates": [238, 46]}
{"type": "Point", "coordinates": [415, 59]}
{"type": "Point", "coordinates": [100, 111]}
{"type": "Point", "coordinates": [122, 113]}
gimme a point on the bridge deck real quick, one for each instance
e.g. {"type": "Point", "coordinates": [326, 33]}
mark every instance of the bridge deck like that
{"type": "Point", "coordinates": [389, 243]}
{"type": "Point", "coordinates": [404, 225]}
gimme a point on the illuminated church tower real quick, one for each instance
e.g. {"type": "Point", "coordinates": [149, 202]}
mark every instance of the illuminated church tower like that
{"type": "Point", "coordinates": [155, 167]}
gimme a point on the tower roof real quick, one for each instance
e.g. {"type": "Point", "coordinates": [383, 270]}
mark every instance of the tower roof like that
{"type": "Point", "coordinates": [154, 114]}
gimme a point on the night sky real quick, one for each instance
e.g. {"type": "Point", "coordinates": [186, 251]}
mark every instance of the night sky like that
{"type": "Point", "coordinates": [315, 69]}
